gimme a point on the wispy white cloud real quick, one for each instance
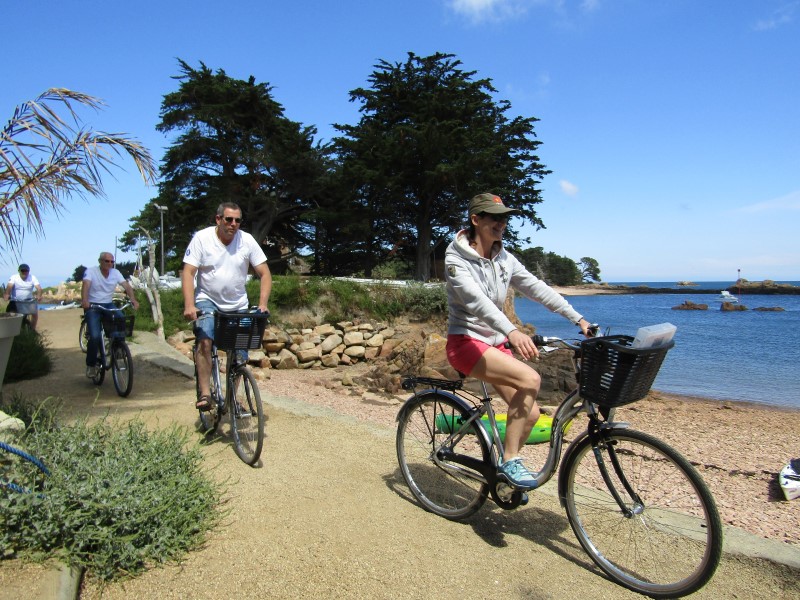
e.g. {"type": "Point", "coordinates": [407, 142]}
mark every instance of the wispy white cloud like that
{"type": "Point", "coordinates": [479, 11]}
{"type": "Point", "coordinates": [590, 5]}
{"type": "Point", "coordinates": [783, 15]}
{"type": "Point", "coordinates": [568, 188]}
{"type": "Point", "coordinates": [482, 11]}
{"type": "Point", "coordinates": [788, 203]}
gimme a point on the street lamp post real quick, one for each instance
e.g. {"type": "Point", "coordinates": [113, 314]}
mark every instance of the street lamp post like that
{"type": "Point", "coordinates": [161, 210]}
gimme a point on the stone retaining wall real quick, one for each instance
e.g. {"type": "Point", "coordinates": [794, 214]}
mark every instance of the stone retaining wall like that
{"type": "Point", "coordinates": [325, 345]}
{"type": "Point", "coordinates": [393, 351]}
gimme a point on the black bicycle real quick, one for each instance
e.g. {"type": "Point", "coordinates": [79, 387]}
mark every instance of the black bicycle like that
{"type": "Point", "coordinates": [115, 355]}
{"type": "Point", "coordinates": [238, 396]}
{"type": "Point", "coordinates": [639, 508]}
{"type": "Point", "coordinates": [83, 332]}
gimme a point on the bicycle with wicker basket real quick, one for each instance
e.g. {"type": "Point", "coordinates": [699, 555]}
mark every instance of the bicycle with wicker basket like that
{"type": "Point", "coordinates": [639, 508]}
{"type": "Point", "coordinates": [115, 355]}
{"type": "Point", "coordinates": [237, 395]}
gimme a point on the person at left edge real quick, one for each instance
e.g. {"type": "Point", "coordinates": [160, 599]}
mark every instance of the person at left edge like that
{"type": "Point", "coordinates": [24, 294]}
{"type": "Point", "coordinates": [98, 287]}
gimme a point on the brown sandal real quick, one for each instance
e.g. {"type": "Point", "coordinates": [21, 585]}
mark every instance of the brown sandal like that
{"type": "Point", "coordinates": [203, 403]}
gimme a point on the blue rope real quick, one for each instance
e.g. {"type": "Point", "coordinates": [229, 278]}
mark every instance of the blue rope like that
{"type": "Point", "coordinates": [22, 454]}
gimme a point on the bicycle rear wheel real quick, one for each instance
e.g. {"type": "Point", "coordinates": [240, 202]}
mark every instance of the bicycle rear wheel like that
{"type": "Point", "coordinates": [445, 488]}
{"type": "Point", "coordinates": [100, 376]}
{"type": "Point", "coordinates": [83, 337]}
{"type": "Point", "coordinates": [668, 541]}
{"type": "Point", "coordinates": [122, 368]}
{"type": "Point", "coordinates": [247, 416]}
{"type": "Point", "coordinates": [209, 419]}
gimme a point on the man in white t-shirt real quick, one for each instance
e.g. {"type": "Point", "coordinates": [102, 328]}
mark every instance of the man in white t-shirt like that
{"type": "Point", "coordinates": [98, 287]}
{"type": "Point", "coordinates": [25, 293]}
{"type": "Point", "coordinates": [218, 259]}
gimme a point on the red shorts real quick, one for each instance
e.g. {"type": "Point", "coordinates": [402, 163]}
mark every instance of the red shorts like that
{"type": "Point", "coordinates": [463, 352]}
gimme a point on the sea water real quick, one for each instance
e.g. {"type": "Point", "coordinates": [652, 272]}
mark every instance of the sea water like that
{"type": "Point", "coordinates": [748, 356]}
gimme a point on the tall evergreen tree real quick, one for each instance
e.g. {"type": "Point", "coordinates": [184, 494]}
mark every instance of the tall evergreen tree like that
{"type": "Point", "coordinates": [430, 136]}
{"type": "Point", "coordinates": [233, 144]}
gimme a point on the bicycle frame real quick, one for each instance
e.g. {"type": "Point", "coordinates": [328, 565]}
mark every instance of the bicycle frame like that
{"type": "Point", "coordinates": [479, 470]}
{"type": "Point", "coordinates": [233, 366]}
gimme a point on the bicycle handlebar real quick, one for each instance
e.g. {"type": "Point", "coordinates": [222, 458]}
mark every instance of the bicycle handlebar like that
{"type": "Point", "coordinates": [95, 306]}
{"type": "Point", "coordinates": [575, 345]}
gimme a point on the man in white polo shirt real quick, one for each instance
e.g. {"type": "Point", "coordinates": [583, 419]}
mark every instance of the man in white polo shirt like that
{"type": "Point", "coordinates": [218, 259]}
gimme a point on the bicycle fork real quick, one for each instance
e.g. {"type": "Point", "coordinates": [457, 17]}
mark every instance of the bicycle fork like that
{"type": "Point", "coordinates": [602, 446]}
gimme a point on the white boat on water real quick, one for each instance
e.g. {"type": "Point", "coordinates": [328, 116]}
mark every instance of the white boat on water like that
{"type": "Point", "coordinates": [789, 478]}
{"type": "Point", "coordinates": [726, 296]}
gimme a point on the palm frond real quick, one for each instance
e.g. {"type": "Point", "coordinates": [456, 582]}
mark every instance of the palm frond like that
{"type": "Point", "coordinates": [47, 157]}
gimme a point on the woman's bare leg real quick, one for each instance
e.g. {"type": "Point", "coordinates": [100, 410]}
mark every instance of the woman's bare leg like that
{"type": "Point", "coordinates": [518, 384]}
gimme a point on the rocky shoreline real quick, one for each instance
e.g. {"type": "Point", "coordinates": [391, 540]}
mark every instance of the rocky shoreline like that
{"type": "Point", "coordinates": [754, 288]}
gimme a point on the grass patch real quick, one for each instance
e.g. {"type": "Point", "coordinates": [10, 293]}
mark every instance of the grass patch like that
{"type": "Point", "coordinates": [333, 299]}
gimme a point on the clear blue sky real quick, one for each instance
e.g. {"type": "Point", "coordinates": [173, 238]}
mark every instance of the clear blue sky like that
{"type": "Point", "coordinates": [671, 127]}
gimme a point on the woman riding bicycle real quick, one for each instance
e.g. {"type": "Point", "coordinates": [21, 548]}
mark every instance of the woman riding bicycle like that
{"type": "Point", "coordinates": [479, 273]}
{"type": "Point", "coordinates": [219, 258]}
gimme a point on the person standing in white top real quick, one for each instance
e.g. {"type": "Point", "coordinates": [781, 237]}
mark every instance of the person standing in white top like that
{"type": "Point", "coordinates": [25, 293]}
{"type": "Point", "coordinates": [218, 259]}
{"type": "Point", "coordinates": [98, 287]}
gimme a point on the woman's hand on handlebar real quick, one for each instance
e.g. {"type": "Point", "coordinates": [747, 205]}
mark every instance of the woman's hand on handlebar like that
{"type": "Point", "coordinates": [588, 329]}
{"type": "Point", "coordinates": [523, 344]}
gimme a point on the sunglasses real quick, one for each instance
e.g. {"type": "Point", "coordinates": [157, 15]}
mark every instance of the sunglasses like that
{"type": "Point", "coordinates": [232, 219]}
{"type": "Point", "coordinates": [105, 260]}
{"type": "Point", "coordinates": [496, 218]}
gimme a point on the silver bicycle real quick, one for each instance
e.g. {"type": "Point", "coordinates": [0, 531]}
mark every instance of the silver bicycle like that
{"type": "Point", "coordinates": [639, 508]}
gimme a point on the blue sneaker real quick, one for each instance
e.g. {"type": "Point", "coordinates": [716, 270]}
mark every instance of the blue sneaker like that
{"type": "Point", "coordinates": [517, 475]}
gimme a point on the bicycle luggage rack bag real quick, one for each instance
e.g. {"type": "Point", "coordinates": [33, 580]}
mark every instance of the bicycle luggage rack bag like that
{"type": "Point", "coordinates": [239, 331]}
{"type": "Point", "coordinates": [613, 373]}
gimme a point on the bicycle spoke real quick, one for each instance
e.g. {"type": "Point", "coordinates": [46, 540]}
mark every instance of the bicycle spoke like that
{"type": "Point", "coordinates": [247, 416]}
{"type": "Point", "coordinates": [445, 488]}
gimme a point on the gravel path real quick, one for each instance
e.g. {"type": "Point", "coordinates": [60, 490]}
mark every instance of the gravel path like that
{"type": "Point", "coordinates": [327, 513]}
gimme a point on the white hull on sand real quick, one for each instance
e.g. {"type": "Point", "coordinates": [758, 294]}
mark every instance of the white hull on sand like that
{"type": "Point", "coordinates": [789, 478]}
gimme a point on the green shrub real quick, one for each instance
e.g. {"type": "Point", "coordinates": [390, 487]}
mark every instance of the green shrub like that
{"type": "Point", "coordinates": [171, 308]}
{"type": "Point", "coordinates": [119, 498]}
{"type": "Point", "coordinates": [334, 299]}
{"type": "Point", "coordinates": [424, 301]}
{"type": "Point", "coordinates": [29, 357]}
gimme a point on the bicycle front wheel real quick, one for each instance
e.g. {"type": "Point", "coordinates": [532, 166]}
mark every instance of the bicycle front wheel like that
{"type": "Point", "coordinates": [443, 487]}
{"type": "Point", "coordinates": [122, 368]}
{"type": "Point", "coordinates": [247, 416]}
{"type": "Point", "coordinates": [666, 539]}
{"type": "Point", "coordinates": [83, 337]}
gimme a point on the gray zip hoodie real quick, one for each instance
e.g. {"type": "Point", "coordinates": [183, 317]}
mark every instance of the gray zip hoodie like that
{"type": "Point", "coordinates": [477, 288]}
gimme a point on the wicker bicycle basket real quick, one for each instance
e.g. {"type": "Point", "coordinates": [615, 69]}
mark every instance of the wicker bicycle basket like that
{"type": "Point", "coordinates": [239, 331]}
{"type": "Point", "coordinates": [613, 373]}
